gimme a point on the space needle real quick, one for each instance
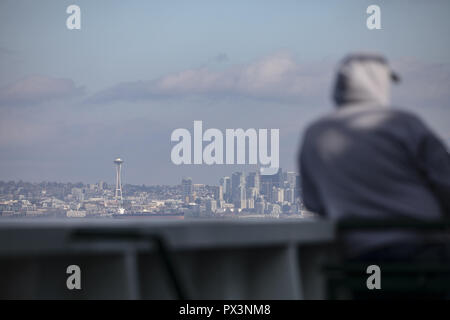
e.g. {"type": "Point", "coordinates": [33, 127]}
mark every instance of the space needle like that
{"type": "Point", "coordinates": [118, 194]}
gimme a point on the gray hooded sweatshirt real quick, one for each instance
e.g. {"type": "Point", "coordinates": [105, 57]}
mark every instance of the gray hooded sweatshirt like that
{"type": "Point", "coordinates": [366, 160]}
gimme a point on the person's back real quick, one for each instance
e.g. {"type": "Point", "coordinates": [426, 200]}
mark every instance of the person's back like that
{"type": "Point", "coordinates": [369, 161]}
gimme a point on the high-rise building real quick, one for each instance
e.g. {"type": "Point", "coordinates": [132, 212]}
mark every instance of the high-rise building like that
{"type": "Point", "coordinates": [225, 182]}
{"type": "Point", "coordinates": [222, 183]}
{"type": "Point", "coordinates": [220, 204]}
{"type": "Point", "coordinates": [298, 186]}
{"type": "Point", "coordinates": [238, 191]}
{"type": "Point", "coordinates": [253, 181]}
{"type": "Point", "coordinates": [289, 195]}
{"type": "Point", "coordinates": [268, 182]}
{"type": "Point", "coordinates": [237, 179]}
{"type": "Point", "coordinates": [291, 178]}
{"type": "Point", "coordinates": [260, 205]}
{"type": "Point", "coordinates": [250, 203]}
{"type": "Point", "coordinates": [252, 193]}
{"type": "Point", "coordinates": [218, 193]}
{"type": "Point", "coordinates": [78, 194]}
{"type": "Point", "coordinates": [188, 190]}
{"type": "Point", "coordinates": [277, 195]}
{"type": "Point", "coordinates": [211, 206]}
{"type": "Point", "coordinates": [227, 189]}
{"type": "Point", "coordinates": [241, 200]}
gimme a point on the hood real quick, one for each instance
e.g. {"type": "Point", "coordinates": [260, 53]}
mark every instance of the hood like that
{"type": "Point", "coordinates": [363, 78]}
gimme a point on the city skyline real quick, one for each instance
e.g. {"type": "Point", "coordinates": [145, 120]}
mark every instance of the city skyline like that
{"type": "Point", "coordinates": [112, 181]}
{"type": "Point", "coordinates": [239, 194]}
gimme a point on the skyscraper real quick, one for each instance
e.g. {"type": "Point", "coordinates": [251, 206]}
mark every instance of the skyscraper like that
{"type": "Point", "coordinates": [289, 195]}
{"type": "Point", "coordinates": [238, 192]}
{"type": "Point", "coordinates": [225, 182]}
{"type": "Point", "coordinates": [237, 179]}
{"type": "Point", "coordinates": [211, 206]}
{"type": "Point", "coordinates": [253, 181]}
{"type": "Point", "coordinates": [227, 189]}
{"type": "Point", "coordinates": [291, 179]}
{"type": "Point", "coordinates": [268, 182]}
{"type": "Point", "coordinates": [219, 193]}
{"type": "Point", "coordinates": [188, 189]}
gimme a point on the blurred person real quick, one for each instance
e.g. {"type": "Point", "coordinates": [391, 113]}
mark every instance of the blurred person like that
{"type": "Point", "coordinates": [367, 160]}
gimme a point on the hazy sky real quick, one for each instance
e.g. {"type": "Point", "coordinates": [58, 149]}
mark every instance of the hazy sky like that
{"type": "Point", "coordinates": [72, 100]}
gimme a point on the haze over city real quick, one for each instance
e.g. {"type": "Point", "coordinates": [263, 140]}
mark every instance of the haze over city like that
{"type": "Point", "coordinates": [70, 101]}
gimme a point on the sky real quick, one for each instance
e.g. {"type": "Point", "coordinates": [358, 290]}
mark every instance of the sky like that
{"type": "Point", "coordinates": [73, 100]}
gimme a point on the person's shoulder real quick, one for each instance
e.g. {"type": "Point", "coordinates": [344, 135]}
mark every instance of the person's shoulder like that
{"type": "Point", "coordinates": [403, 113]}
{"type": "Point", "coordinates": [407, 117]}
{"type": "Point", "coordinates": [319, 124]}
{"type": "Point", "coordinates": [326, 119]}
{"type": "Point", "coordinates": [396, 117]}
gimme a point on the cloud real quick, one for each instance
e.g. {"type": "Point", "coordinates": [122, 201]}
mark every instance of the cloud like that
{"type": "Point", "coordinates": [37, 89]}
{"type": "Point", "coordinates": [277, 76]}
{"type": "Point", "coordinates": [280, 78]}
